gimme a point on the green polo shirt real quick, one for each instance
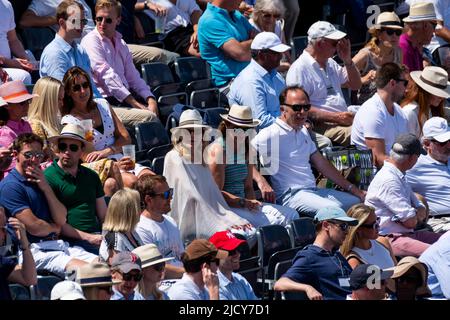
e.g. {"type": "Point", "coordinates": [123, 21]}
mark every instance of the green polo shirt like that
{"type": "Point", "coordinates": [78, 194]}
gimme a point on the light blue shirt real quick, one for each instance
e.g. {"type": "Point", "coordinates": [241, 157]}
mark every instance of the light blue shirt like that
{"type": "Point", "coordinates": [59, 56]}
{"type": "Point", "coordinates": [216, 27]}
{"type": "Point", "coordinates": [437, 259]}
{"type": "Point", "coordinates": [237, 289]}
{"type": "Point", "coordinates": [119, 296]}
{"type": "Point", "coordinates": [186, 289]}
{"type": "Point", "coordinates": [431, 179]}
{"type": "Point", "coordinates": [258, 89]}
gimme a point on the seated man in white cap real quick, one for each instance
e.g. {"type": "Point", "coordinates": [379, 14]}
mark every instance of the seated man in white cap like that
{"type": "Point", "coordinates": [430, 177]}
{"type": "Point", "coordinates": [67, 290]}
{"type": "Point", "coordinates": [322, 78]}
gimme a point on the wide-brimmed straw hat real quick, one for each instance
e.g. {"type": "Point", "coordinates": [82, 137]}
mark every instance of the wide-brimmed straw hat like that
{"type": "Point", "coordinates": [15, 92]}
{"type": "Point", "coordinates": [388, 20]}
{"type": "Point", "coordinates": [421, 11]}
{"type": "Point", "coordinates": [190, 119]}
{"type": "Point", "coordinates": [433, 80]}
{"type": "Point", "coordinates": [95, 274]}
{"type": "Point", "coordinates": [150, 255]}
{"type": "Point", "coordinates": [241, 116]}
{"type": "Point", "coordinates": [403, 266]}
{"type": "Point", "coordinates": [72, 131]}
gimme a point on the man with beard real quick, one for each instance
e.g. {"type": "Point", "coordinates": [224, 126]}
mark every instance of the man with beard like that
{"type": "Point", "coordinates": [78, 188]}
{"type": "Point", "coordinates": [380, 119]}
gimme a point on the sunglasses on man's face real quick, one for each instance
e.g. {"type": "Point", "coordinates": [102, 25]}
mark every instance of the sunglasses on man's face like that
{"type": "Point", "coordinates": [63, 147]}
{"type": "Point", "coordinates": [100, 20]}
{"type": "Point", "coordinates": [405, 82]}
{"type": "Point", "coordinates": [30, 154]}
{"type": "Point", "coordinates": [132, 276]}
{"type": "Point", "coordinates": [166, 194]}
{"type": "Point", "coordinates": [390, 32]}
{"type": "Point", "coordinates": [299, 107]}
{"type": "Point", "coordinates": [77, 87]}
{"type": "Point", "coordinates": [342, 225]}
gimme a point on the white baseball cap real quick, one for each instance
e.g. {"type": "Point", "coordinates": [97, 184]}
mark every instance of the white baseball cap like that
{"type": "Point", "coordinates": [67, 290]}
{"type": "Point", "coordinates": [436, 128]}
{"type": "Point", "coordinates": [268, 40]}
{"type": "Point", "coordinates": [324, 29]}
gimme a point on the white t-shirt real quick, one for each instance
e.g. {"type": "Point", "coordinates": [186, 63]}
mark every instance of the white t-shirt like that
{"type": "Point", "coordinates": [323, 86]}
{"type": "Point", "coordinates": [374, 121]}
{"type": "Point", "coordinates": [177, 15]}
{"type": "Point", "coordinates": [165, 235]}
{"type": "Point", "coordinates": [287, 151]}
{"type": "Point", "coordinates": [47, 8]}
{"type": "Point", "coordinates": [6, 24]}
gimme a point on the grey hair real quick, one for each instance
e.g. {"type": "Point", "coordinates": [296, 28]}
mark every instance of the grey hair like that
{"type": "Point", "coordinates": [269, 5]}
{"type": "Point", "coordinates": [397, 157]}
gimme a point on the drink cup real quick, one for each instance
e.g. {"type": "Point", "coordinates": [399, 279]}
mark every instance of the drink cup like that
{"type": "Point", "coordinates": [88, 129]}
{"type": "Point", "coordinates": [129, 150]}
{"type": "Point", "coordinates": [160, 24]}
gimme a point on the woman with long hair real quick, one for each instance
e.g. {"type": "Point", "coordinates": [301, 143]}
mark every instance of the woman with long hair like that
{"type": "Point", "coordinates": [383, 47]}
{"type": "Point", "coordinates": [425, 97]}
{"type": "Point", "coordinates": [361, 245]}
{"type": "Point", "coordinates": [95, 281]}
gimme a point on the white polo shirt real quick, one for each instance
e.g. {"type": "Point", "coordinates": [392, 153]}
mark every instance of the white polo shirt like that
{"type": "Point", "coordinates": [431, 179]}
{"type": "Point", "coordinates": [393, 199]}
{"type": "Point", "coordinates": [6, 24]}
{"type": "Point", "coordinates": [291, 150]}
{"type": "Point", "coordinates": [374, 121]}
{"type": "Point", "coordinates": [323, 86]}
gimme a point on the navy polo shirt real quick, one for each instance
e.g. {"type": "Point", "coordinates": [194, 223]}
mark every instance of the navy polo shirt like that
{"type": "Point", "coordinates": [321, 269]}
{"type": "Point", "coordinates": [17, 194]}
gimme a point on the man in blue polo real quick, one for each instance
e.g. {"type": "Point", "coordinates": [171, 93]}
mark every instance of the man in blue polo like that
{"type": "Point", "coordinates": [320, 270]}
{"type": "Point", "coordinates": [224, 36]}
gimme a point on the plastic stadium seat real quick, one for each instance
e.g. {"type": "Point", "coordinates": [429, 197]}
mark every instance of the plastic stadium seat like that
{"type": "Point", "coordinates": [36, 39]}
{"type": "Point", "coordinates": [298, 44]}
{"type": "Point", "coordinates": [156, 74]}
{"type": "Point", "coordinates": [302, 232]}
{"type": "Point", "coordinates": [150, 135]}
{"type": "Point", "coordinates": [190, 69]}
{"type": "Point", "coordinates": [19, 292]}
{"type": "Point", "coordinates": [44, 287]}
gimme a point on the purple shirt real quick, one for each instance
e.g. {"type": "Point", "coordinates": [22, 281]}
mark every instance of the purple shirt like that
{"type": "Point", "coordinates": [412, 56]}
{"type": "Point", "coordinates": [9, 132]}
{"type": "Point", "coordinates": [112, 67]}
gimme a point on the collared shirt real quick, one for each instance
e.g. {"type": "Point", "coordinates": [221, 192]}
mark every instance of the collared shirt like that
{"type": "Point", "coordinates": [78, 194]}
{"type": "Point", "coordinates": [17, 194]}
{"type": "Point", "coordinates": [59, 56]}
{"type": "Point", "coordinates": [412, 57]}
{"type": "Point", "coordinates": [431, 178]}
{"type": "Point", "coordinates": [437, 259]}
{"type": "Point", "coordinates": [186, 289]}
{"type": "Point", "coordinates": [323, 86]}
{"type": "Point", "coordinates": [119, 296]}
{"type": "Point", "coordinates": [287, 153]}
{"type": "Point", "coordinates": [216, 27]}
{"type": "Point", "coordinates": [393, 199]}
{"type": "Point", "coordinates": [374, 121]}
{"type": "Point", "coordinates": [259, 89]}
{"type": "Point", "coordinates": [322, 270]}
{"type": "Point", "coordinates": [112, 66]}
{"type": "Point", "coordinates": [236, 289]}
{"type": "Point", "coordinates": [6, 24]}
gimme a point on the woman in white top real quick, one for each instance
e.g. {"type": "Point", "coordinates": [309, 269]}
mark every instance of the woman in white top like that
{"type": "Point", "coordinates": [361, 245]}
{"type": "Point", "coordinates": [425, 97]}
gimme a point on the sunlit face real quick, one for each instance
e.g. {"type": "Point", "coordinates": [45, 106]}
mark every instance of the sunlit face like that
{"type": "Point", "coordinates": [80, 91]}
{"type": "Point", "coordinates": [69, 152]}
{"type": "Point", "coordinates": [107, 20]}
{"type": "Point", "coordinates": [389, 37]}
{"type": "Point", "coordinates": [295, 119]}
{"type": "Point", "coordinates": [369, 229]}
{"type": "Point", "coordinates": [159, 203]}
{"type": "Point", "coordinates": [231, 262]}
{"type": "Point", "coordinates": [154, 273]}
{"type": "Point", "coordinates": [75, 21]}
{"type": "Point", "coordinates": [17, 111]}
{"type": "Point", "coordinates": [31, 155]}
{"type": "Point", "coordinates": [129, 281]}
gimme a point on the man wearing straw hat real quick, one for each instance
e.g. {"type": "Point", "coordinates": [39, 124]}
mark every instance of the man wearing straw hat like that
{"type": "Point", "coordinates": [78, 188]}
{"type": "Point", "coordinates": [419, 25]}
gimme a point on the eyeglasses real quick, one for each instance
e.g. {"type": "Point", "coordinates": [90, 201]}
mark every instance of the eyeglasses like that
{"type": "Point", "coordinates": [342, 225]}
{"type": "Point", "coordinates": [442, 144]}
{"type": "Point", "coordinates": [268, 15]}
{"type": "Point", "coordinates": [166, 194]}
{"type": "Point", "coordinates": [77, 87]}
{"type": "Point", "coordinates": [107, 289]}
{"type": "Point", "coordinates": [82, 21]}
{"type": "Point", "coordinates": [100, 20]}
{"type": "Point", "coordinates": [299, 107]}
{"type": "Point", "coordinates": [405, 82]}
{"type": "Point", "coordinates": [375, 225]}
{"type": "Point", "coordinates": [390, 32]}
{"type": "Point", "coordinates": [30, 154]}
{"type": "Point", "coordinates": [63, 147]}
{"type": "Point", "coordinates": [132, 276]}
{"type": "Point", "coordinates": [159, 266]}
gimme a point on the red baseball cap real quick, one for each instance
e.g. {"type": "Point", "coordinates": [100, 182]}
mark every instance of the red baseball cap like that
{"type": "Point", "coordinates": [225, 240]}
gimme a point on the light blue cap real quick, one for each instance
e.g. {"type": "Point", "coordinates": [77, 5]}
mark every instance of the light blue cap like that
{"type": "Point", "coordinates": [334, 213]}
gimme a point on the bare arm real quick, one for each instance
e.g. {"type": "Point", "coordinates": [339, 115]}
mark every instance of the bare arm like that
{"type": "Point", "coordinates": [121, 134]}
{"type": "Point", "coordinates": [100, 206]}
{"type": "Point", "coordinates": [343, 50]}
{"type": "Point", "coordinates": [378, 150]}
{"type": "Point", "coordinates": [239, 51]}
{"type": "Point", "coordinates": [30, 19]}
{"type": "Point", "coordinates": [286, 284]}
{"type": "Point", "coordinates": [248, 184]}
{"type": "Point", "coordinates": [443, 32]}
{"type": "Point", "coordinates": [68, 231]}
{"type": "Point", "coordinates": [340, 118]}
{"type": "Point", "coordinates": [35, 226]}
{"type": "Point", "coordinates": [267, 192]}
{"type": "Point", "coordinates": [173, 272]}
{"type": "Point", "coordinates": [15, 45]}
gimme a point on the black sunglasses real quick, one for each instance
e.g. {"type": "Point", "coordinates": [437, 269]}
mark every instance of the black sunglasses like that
{"type": "Point", "coordinates": [63, 147]}
{"type": "Point", "coordinates": [442, 144]}
{"type": "Point", "coordinates": [299, 107]}
{"type": "Point", "coordinates": [342, 225]}
{"type": "Point", "coordinates": [132, 276]}
{"type": "Point", "coordinates": [159, 266]}
{"type": "Point", "coordinates": [390, 32]}
{"type": "Point", "coordinates": [405, 82]}
{"type": "Point", "coordinates": [166, 194]}
{"type": "Point", "coordinates": [77, 87]}
{"type": "Point", "coordinates": [100, 19]}
{"type": "Point", "coordinates": [30, 154]}
{"type": "Point", "coordinates": [374, 225]}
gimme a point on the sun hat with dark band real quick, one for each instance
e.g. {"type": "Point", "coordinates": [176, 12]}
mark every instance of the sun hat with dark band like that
{"type": "Point", "coordinates": [421, 11]}
{"type": "Point", "coordinates": [72, 131]}
{"type": "Point", "coordinates": [241, 116]}
{"type": "Point", "coordinates": [150, 255]}
{"type": "Point", "coordinates": [388, 20]}
{"type": "Point", "coordinates": [190, 119]}
{"type": "Point", "coordinates": [95, 274]}
{"type": "Point", "coordinates": [433, 80]}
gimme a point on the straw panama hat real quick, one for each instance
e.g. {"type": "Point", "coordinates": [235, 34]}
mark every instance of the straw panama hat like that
{"type": "Point", "coordinates": [96, 274]}
{"type": "Point", "coordinates": [388, 20]}
{"type": "Point", "coordinates": [72, 131]}
{"type": "Point", "coordinates": [421, 11]}
{"type": "Point", "coordinates": [150, 255]}
{"type": "Point", "coordinates": [190, 119]}
{"type": "Point", "coordinates": [15, 92]}
{"type": "Point", "coordinates": [433, 80]}
{"type": "Point", "coordinates": [241, 116]}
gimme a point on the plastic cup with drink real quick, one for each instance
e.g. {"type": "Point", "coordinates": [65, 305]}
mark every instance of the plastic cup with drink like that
{"type": "Point", "coordinates": [88, 127]}
{"type": "Point", "coordinates": [129, 150]}
{"type": "Point", "coordinates": [160, 24]}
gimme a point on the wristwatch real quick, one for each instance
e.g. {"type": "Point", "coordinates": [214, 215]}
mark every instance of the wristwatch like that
{"type": "Point", "coordinates": [146, 5]}
{"type": "Point", "coordinates": [242, 202]}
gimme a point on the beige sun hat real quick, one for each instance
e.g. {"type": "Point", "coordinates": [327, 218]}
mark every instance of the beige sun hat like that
{"type": "Point", "coordinates": [434, 80]}
{"type": "Point", "coordinates": [388, 20]}
{"type": "Point", "coordinates": [15, 92]}
{"type": "Point", "coordinates": [150, 255]}
{"type": "Point", "coordinates": [96, 274]}
{"type": "Point", "coordinates": [190, 119]}
{"type": "Point", "coordinates": [421, 11]}
{"type": "Point", "coordinates": [241, 116]}
{"type": "Point", "coordinates": [403, 266]}
{"type": "Point", "coordinates": [72, 131]}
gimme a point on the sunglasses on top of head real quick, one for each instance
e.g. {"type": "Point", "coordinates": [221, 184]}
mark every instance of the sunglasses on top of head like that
{"type": "Point", "coordinates": [299, 107]}
{"type": "Point", "coordinates": [100, 19]}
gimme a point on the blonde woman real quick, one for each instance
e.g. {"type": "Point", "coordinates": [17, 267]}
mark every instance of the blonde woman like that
{"type": "Point", "coordinates": [120, 222]}
{"type": "Point", "coordinates": [153, 267]}
{"type": "Point", "coordinates": [361, 245]}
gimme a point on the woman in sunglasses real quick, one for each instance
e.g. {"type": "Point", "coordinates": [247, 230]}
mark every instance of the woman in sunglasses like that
{"type": "Point", "coordinates": [153, 267]}
{"type": "Point", "coordinates": [382, 48]}
{"type": "Point", "coordinates": [361, 245]}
